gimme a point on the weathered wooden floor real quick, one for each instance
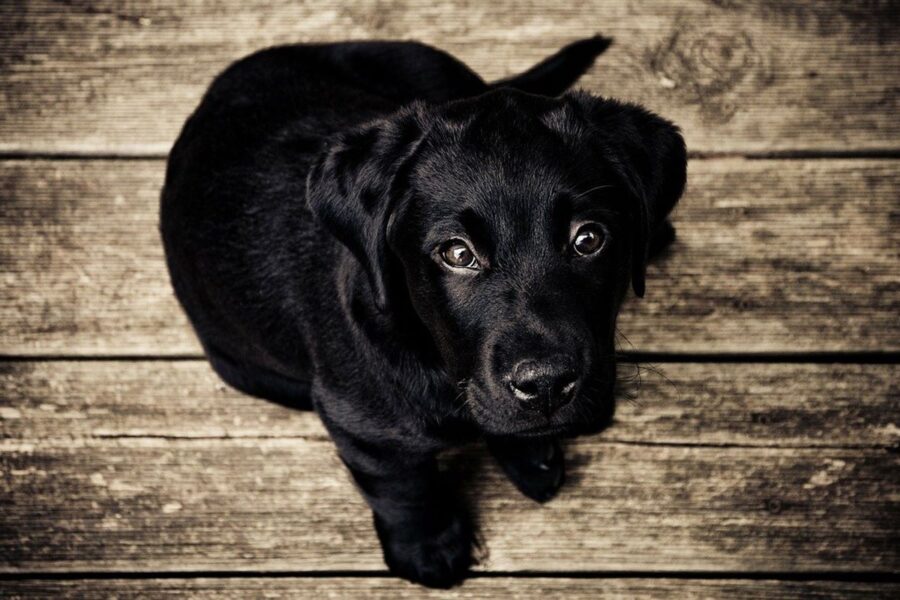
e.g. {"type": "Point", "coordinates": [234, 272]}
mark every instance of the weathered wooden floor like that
{"type": "Point", "coordinates": [761, 457]}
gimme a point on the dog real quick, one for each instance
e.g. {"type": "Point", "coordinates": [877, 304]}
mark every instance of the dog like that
{"type": "Point", "coordinates": [372, 231]}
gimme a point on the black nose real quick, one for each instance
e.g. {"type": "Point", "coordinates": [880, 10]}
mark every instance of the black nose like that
{"type": "Point", "coordinates": [545, 384]}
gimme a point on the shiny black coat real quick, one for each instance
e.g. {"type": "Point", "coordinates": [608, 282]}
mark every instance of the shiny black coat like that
{"type": "Point", "coordinates": [293, 221]}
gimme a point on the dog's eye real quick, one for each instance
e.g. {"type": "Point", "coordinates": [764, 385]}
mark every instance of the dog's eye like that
{"type": "Point", "coordinates": [457, 254]}
{"type": "Point", "coordinates": [589, 239]}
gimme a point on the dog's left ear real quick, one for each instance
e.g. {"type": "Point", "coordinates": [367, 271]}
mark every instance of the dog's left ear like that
{"type": "Point", "coordinates": [358, 181]}
{"type": "Point", "coordinates": [648, 154]}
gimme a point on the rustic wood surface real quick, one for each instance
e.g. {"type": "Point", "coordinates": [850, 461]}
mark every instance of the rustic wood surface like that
{"type": "Point", "coordinates": [753, 404]}
{"type": "Point", "coordinates": [287, 504]}
{"type": "Point", "coordinates": [127, 469]}
{"type": "Point", "coordinates": [99, 76]}
{"type": "Point", "coordinates": [87, 489]}
{"type": "Point", "coordinates": [772, 256]}
{"type": "Point", "coordinates": [475, 589]}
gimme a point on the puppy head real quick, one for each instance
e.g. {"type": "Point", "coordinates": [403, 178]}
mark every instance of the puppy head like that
{"type": "Point", "coordinates": [517, 222]}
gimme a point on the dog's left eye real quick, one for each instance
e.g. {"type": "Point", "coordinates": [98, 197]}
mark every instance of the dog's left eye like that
{"type": "Point", "coordinates": [457, 254]}
{"type": "Point", "coordinates": [589, 239]}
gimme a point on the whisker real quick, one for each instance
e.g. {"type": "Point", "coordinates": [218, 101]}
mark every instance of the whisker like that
{"type": "Point", "coordinates": [593, 189]}
{"type": "Point", "coordinates": [660, 373]}
{"type": "Point", "coordinates": [460, 399]}
{"type": "Point", "coordinates": [624, 337]}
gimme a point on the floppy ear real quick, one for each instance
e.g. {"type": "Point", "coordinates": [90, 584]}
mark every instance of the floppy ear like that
{"type": "Point", "coordinates": [357, 181]}
{"type": "Point", "coordinates": [649, 155]}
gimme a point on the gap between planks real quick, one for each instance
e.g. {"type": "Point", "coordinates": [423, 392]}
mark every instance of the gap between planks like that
{"type": "Point", "coordinates": [798, 154]}
{"type": "Point", "coordinates": [186, 575]}
{"type": "Point", "coordinates": [607, 441]}
{"type": "Point", "coordinates": [845, 358]}
{"type": "Point", "coordinates": [490, 585]}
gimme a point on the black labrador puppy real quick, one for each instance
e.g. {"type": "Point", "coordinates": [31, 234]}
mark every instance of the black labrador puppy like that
{"type": "Point", "coordinates": [371, 230]}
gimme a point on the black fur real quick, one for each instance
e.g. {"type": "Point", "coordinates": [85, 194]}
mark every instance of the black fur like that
{"type": "Point", "coordinates": [306, 205]}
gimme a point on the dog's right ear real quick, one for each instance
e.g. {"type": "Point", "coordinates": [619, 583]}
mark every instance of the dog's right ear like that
{"type": "Point", "coordinates": [649, 155]}
{"type": "Point", "coordinates": [358, 181]}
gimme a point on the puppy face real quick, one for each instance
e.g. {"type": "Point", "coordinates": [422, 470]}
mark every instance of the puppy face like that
{"type": "Point", "coordinates": [518, 222]}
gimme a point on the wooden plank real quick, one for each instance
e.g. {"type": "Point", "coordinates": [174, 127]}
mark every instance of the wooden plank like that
{"type": "Point", "coordinates": [129, 466]}
{"type": "Point", "coordinates": [772, 256]}
{"type": "Point", "coordinates": [97, 77]}
{"type": "Point", "coordinates": [83, 263]}
{"type": "Point", "coordinates": [240, 588]}
{"type": "Point", "coordinates": [770, 405]}
{"type": "Point", "coordinates": [155, 504]}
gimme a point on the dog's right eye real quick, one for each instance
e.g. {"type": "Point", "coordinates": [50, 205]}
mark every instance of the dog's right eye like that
{"type": "Point", "coordinates": [457, 254]}
{"type": "Point", "coordinates": [589, 239]}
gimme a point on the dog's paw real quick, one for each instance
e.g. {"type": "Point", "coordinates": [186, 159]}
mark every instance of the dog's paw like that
{"type": "Point", "coordinates": [439, 560]}
{"type": "Point", "coordinates": [536, 468]}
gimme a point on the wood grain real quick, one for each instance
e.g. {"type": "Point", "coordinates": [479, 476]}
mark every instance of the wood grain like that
{"type": "Point", "coordinates": [97, 76]}
{"type": "Point", "coordinates": [713, 474]}
{"type": "Point", "coordinates": [152, 504]}
{"type": "Point", "coordinates": [756, 404]}
{"type": "Point", "coordinates": [124, 466]}
{"type": "Point", "coordinates": [772, 256]}
{"type": "Point", "coordinates": [240, 588]}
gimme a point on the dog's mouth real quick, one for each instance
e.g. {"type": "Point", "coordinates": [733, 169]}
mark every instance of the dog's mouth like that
{"type": "Point", "coordinates": [497, 415]}
{"type": "Point", "coordinates": [546, 431]}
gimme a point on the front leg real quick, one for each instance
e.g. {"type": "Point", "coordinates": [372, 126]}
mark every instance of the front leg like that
{"type": "Point", "coordinates": [425, 535]}
{"type": "Point", "coordinates": [536, 466]}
